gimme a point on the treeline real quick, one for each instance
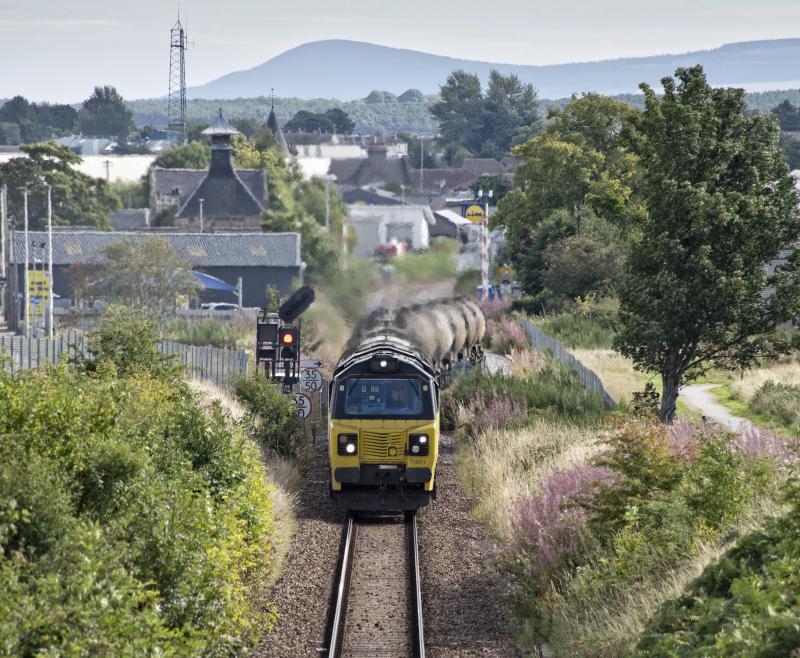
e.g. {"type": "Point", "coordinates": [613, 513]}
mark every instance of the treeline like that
{"type": "Point", "coordinates": [369, 116]}
{"type": "Point", "coordinates": [381, 112]}
{"type": "Point", "coordinates": [103, 114]}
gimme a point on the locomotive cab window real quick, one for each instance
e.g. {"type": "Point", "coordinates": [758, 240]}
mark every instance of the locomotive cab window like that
{"type": "Point", "coordinates": [378, 397]}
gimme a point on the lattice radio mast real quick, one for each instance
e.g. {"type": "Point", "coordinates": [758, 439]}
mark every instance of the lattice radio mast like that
{"type": "Point", "coordinates": [176, 101]}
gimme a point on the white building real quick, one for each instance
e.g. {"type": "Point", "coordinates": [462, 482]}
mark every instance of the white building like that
{"type": "Point", "coordinates": [380, 225]}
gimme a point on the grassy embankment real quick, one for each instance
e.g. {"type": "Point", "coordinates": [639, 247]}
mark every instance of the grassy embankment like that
{"type": "Point", "coordinates": [137, 516]}
{"type": "Point", "coordinates": [601, 522]}
{"type": "Point", "coordinates": [588, 332]}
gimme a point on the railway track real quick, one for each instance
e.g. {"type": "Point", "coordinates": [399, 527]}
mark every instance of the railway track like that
{"type": "Point", "coordinates": [376, 604]}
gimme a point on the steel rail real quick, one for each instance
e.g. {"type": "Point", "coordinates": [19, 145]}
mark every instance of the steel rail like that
{"type": "Point", "coordinates": [417, 630]}
{"type": "Point", "coordinates": [341, 592]}
{"type": "Point", "coordinates": [336, 624]}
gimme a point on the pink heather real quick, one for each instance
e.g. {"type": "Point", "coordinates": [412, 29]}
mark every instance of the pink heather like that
{"type": "Point", "coordinates": [550, 527]}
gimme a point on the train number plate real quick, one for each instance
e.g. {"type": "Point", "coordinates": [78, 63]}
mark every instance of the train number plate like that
{"type": "Point", "coordinates": [387, 467]}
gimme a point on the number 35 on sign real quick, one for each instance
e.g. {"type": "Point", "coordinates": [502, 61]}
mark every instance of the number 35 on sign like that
{"type": "Point", "coordinates": [302, 405]}
{"type": "Point", "coordinates": [310, 380]}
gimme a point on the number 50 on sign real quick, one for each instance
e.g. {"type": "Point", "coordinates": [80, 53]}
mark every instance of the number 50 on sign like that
{"type": "Point", "coordinates": [310, 380]}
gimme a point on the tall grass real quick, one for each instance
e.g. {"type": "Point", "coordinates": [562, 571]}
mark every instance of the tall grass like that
{"type": "Point", "coordinates": [236, 332]}
{"type": "Point", "coordinates": [426, 266]}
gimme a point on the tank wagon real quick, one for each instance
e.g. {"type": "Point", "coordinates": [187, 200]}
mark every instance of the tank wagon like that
{"type": "Point", "coordinates": [383, 425]}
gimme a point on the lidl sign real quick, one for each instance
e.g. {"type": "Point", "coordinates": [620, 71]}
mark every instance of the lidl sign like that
{"type": "Point", "coordinates": [473, 212]}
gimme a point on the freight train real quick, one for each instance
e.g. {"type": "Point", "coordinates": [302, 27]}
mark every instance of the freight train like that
{"type": "Point", "coordinates": [383, 425]}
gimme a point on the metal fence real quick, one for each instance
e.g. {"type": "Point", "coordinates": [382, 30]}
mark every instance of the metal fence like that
{"type": "Point", "coordinates": [542, 342]}
{"type": "Point", "coordinates": [201, 362]}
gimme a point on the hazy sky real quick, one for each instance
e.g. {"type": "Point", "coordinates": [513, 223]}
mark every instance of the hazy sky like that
{"type": "Point", "coordinates": [57, 50]}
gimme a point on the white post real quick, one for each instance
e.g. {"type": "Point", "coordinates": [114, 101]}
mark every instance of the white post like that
{"type": "Point", "coordinates": [50, 260]}
{"type": "Point", "coordinates": [3, 231]}
{"type": "Point", "coordinates": [327, 203]}
{"type": "Point", "coordinates": [201, 213]}
{"type": "Point", "coordinates": [421, 164]}
{"type": "Point", "coordinates": [485, 252]}
{"type": "Point", "coordinates": [239, 292]}
{"type": "Point", "coordinates": [26, 296]}
{"type": "Point", "coordinates": [3, 247]}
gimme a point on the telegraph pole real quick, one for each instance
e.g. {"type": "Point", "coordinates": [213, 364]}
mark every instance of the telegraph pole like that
{"type": "Point", "coordinates": [485, 245]}
{"type": "Point", "coordinates": [3, 252]}
{"type": "Point", "coordinates": [50, 260]}
{"type": "Point", "coordinates": [201, 214]}
{"type": "Point", "coordinates": [27, 258]}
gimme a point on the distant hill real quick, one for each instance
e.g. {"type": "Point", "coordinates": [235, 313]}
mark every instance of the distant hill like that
{"type": "Point", "coordinates": [351, 69]}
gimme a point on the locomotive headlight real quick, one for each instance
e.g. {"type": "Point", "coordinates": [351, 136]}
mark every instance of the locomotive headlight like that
{"type": "Point", "coordinates": [347, 444]}
{"type": "Point", "coordinates": [418, 444]}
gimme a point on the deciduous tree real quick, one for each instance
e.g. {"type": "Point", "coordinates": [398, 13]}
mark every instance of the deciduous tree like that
{"type": "Point", "coordinates": [105, 114]}
{"type": "Point", "coordinates": [77, 198]}
{"type": "Point", "coordinates": [146, 274]}
{"type": "Point", "coordinates": [697, 291]}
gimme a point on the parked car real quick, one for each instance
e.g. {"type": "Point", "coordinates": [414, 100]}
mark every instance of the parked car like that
{"type": "Point", "coordinates": [220, 306]}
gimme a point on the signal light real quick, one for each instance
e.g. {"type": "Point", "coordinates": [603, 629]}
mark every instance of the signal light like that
{"type": "Point", "coordinates": [288, 339]}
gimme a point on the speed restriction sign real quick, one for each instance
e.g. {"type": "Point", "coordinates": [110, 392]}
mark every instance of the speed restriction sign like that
{"type": "Point", "coordinates": [310, 380]}
{"type": "Point", "coordinates": [302, 405]}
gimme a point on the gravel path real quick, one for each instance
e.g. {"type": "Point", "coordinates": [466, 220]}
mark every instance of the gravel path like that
{"type": "Point", "coordinates": [700, 397]}
{"type": "Point", "coordinates": [462, 610]}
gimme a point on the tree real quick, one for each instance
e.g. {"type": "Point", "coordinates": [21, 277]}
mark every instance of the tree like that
{"type": "Point", "coordinates": [105, 114]}
{"type": "Point", "coordinates": [77, 199]}
{"type": "Point", "coordinates": [147, 274]}
{"type": "Point", "coordinates": [460, 110]}
{"type": "Point", "coordinates": [310, 122]}
{"type": "Point", "coordinates": [788, 116]}
{"type": "Point", "coordinates": [499, 184]}
{"type": "Point", "coordinates": [578, 166]}
{"type": "Point", "coordinates": [28, 122]}
{"type": "Point", "coordinates": [485, 125]}
{"type": "Point", "coordinates": [342, 123]}
{"type": "Point", "coordinates": [334, 120]}
{"type": "Point", "coordinates": [696, 291]}
{"type": "Point", "coordinates": [298, 205]}
{"type": "Point", "coordinates": [194, 155]}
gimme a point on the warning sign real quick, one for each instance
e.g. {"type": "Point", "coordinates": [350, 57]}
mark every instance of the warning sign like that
{"type": "Point", "coordinates": [38, 294]}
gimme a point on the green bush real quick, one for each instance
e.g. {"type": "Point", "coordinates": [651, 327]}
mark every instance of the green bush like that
{"type": "Point", "coordinates": [779, 402]}
{"type": "Point", "coordinates": [597, 546]}
{"type": "Point", "coordinates": [588, 324]}
{"type": "Point", "coordinates": [131, 521]}
{"type": "Point", "coordinates": [467, 283]}
{"type": "Point", "coordinates": [347, 289]}
{"type": "Point", "coordinates": [232, 333]}
{"type": "Point", "coordinates": [747, 603]}
{"type": "Point", "coordinates": [426, 266]}
{"type": "Point", "coordinates": [273, 421]}
{"type": "Point", "coordinates": [554, 391]}
{"type": "Point", "coordinates": [125, 341]}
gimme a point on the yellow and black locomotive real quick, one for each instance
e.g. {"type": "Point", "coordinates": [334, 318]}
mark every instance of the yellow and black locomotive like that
{"type": "Point", "coordinates": [383, 426]}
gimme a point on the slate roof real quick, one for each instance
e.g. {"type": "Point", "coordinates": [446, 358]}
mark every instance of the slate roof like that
{"type": "Point", "coordinates": [374, 169]}
{"type": "Point", "coordinates": [220, 127]}
{"type": "Point", "coordinates": [392, 214]}
{"type": "Point", "coordinates": [185, 181]}
{"type": "Point", "coordinates": [453, 179]}
{"type": "Point", "coordinates": [199, 249]}
{"type": "Point", "coordinates": [353, 195]}
{"type": "Point", "coordinates": [277, 132]}
{"type": "Point", "coordinates": [483, 166]}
